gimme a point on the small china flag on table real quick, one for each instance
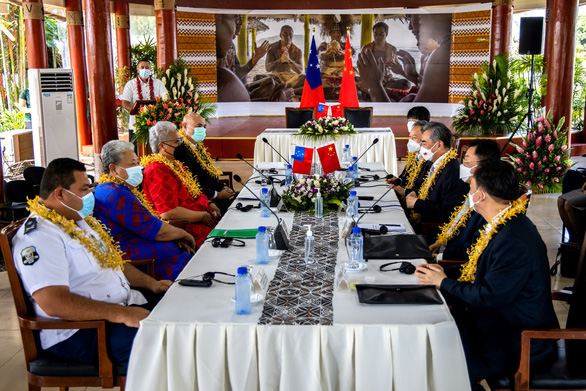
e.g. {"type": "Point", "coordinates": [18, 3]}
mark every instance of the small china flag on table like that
{"type": "Point", "coordinates": [302, 159]}
{"type": "Point", "coordinates": [328, 157]}
{"type": "Point", "coordinates": [337, 110]}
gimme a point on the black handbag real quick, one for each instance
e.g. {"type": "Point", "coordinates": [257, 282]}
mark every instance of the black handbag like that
{"type": "Point", "coordinates": [398, 294]}
{"type": "Point", "coordinates": [404, 246]}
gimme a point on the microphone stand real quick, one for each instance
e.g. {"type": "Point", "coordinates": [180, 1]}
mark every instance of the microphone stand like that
{"type": "Point", "coordinates": [364, 153]}
{"type": "Point", "coordinates": [371, 206]}
{"type": "Point", "coordinates": [281, 239]}
{"type": "Point", "coordinates": [275, 197]}
{"type": "Point", "coordinates": [264, 139]}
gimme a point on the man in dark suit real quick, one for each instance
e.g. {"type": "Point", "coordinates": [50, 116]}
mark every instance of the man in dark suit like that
{"type": "Point", "coordinates": [480, 151]}
{"type": "Point", "coordinates": [441, 190]}
{"type": "Point", "coordinates": [197, 160]}
{"type": "Point", "coordinates": [510, 289]}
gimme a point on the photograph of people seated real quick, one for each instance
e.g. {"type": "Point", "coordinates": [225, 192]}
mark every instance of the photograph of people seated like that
{"type": "Point", "coordinates": [405, 59]}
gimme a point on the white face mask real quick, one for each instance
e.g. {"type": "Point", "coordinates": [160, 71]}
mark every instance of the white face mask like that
{"type": "Point", "coordinates": [410, 125]}
{"type": "Point", "coordinates": [465, 172]}
{"type": "Point", "coordinates": [413, 146]}
{"type": "Point", "coordinates": [426, 153]}
{"type": "Point", "coordinates": [471, 199]}
{"type": "Point", "coordinates": [144, 73]}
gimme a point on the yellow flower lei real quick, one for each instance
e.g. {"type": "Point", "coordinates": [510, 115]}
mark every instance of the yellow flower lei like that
{"type": "Point", "coordinates": [203, 156]}
{"type": "Point", "coordinates": [184, 176]}
{"type": "Point", "coordinates": [414, 173]}
{"type": "Point", "coordinates": [107, 252]}
{"type": "Point", "coordinates": [450, 229]}
{"type": "Point", "coordinates": [105, 178]}
{"type": "Point", "coordinates": [469, 268]}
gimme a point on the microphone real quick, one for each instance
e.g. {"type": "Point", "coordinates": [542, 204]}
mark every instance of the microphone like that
{"type": "Point", "coordinates": [264, 140]}
{"type": "Point", "coordinates": [372, 206]}
{"type": "Point", "coordinates": [281, 239]}
{"type": "Point", "coordinates": [275, 197]}
{"type": "Point", "coordinates": [364, 153]}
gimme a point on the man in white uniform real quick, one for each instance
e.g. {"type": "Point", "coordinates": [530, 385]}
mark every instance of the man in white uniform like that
{"type": "Point", "coordinates": [143, 87]}
{"type": "Point", "coordinates": [63, 277]}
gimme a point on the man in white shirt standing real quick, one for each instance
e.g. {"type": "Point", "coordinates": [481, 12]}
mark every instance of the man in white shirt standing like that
{"type": "Point", "coordinates": [143, 87]}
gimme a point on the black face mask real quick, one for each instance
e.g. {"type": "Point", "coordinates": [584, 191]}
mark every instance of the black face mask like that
{"type": "Point", "coordinates": [181, 152]}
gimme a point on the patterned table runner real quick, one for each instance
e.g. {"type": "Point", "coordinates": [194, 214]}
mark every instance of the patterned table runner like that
{"type": "Point", "coordinates": [301, 294]}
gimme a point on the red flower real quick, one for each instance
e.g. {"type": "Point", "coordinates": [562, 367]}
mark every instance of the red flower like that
{"type": "Point", "coordinates": [490, 107]}
{"type": "Point", "coordinates": [492, 96]}
{"type": "Point", "coordinates": [165, 105]}
{"type": "Point", "coordinates": [168, 116]}
{"type": "Point", "coordinates": [157, 99]}
{"type": "Point", "coordinates": [148, 121]}
{"type": "Point", "coordinates": [481, 111]}
{"type": "Point", "coordinates": [474, 118]}
{"type": "Point", "coordinates": [161, 113]}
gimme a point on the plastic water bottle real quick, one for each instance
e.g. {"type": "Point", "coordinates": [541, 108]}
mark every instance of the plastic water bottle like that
{"type": "Point", "coordinates": [309, 247]}
{"type": "Point", "coordinates": [242, 294]}
{"type": "Point", "coordinates": [262, 245]}
{"type": "Point", "coordinates": [264, 205]}
{"type": "Point", "coordinates": [289, 175]}
{"type": "Point", "coordinates": [355, 165]}
{"type": "Point", "coordinates": [356, 249]}
{"type": "Point", "coordinates": [346, 156]}
{"type": "Point", "coordinates": [350, 176]}
{"type": "Point", "coordinates": [352, 202]}
{"type": "Point", "coordinates": [319, 206]}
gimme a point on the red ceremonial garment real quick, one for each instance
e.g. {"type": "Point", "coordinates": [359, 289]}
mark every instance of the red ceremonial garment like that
{"type": "Point", "coordinates": [348, 94]}
{"type": "Point", "coordinates": [165, 191]}
{"type": "Point", "coordinates": [328, 158]}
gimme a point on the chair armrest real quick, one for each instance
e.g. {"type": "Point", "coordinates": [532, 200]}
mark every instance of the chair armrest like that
{"type": "Point", "coordinates": [522, 375]}
{"type": "Point", "coordinates": [561, 296]}
{"type": "Point", "coordinates": [105, 366]}
{"type": "Point", "coordinates": [450, 262]}
{"type": "Point", "coordinates": [149, 263]}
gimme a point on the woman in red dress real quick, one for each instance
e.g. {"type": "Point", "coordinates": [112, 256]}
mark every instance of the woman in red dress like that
{"type": "Point", "coordinates": [172, 189]}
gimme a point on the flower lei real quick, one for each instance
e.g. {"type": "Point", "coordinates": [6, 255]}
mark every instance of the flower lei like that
{"type": "Point", "coordinates": [106, 251]}
{"type": "Point", "coordinates": [105, 178]}
{"type": "Point", "coordinates": [151, 88]}
{"type": "Point", "coordinates": [180, 172]}
{"type": "Point", "coordinates": [457, 220]}
{"type": "Point", "coordinates": [469, 268]}
{"type": "Point", "coordinates": [203, 156]}
{"type": "Point", "coordinates": [414, 172]}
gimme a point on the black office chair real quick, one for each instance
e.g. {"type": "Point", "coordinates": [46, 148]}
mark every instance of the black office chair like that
{"type": "Point", "coordinates": [33, 175]}
{"type": "Point", "coordinates": [360, 117]}
{"type": "Point", "coordinates": [297, 116]}
{"type": "Point", "coordinates": [16, 193]}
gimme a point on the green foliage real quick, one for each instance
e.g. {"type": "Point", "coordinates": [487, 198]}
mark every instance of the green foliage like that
{"type": "Point", "coordinates": [51, 32]}
{"type": "Point", "coordinates": [521, 70]}
{"type": "Point", "coordinates": [579, 92]}
{"type": "Point", "coordinates": [542, 158]}
{"type": "Point", "coordinates": [11, 120]}
{"type": "Point", "coordinates": [581, 32]}
{"type": "Point", "coordinates": [496, 102]}
{"type": "Point", "coordinates": [144, 50]}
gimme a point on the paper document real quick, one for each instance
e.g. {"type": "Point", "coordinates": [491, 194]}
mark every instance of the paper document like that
{"type": "Point", "coordinates": [390, 227]}
{"type": "Point", "coordinates": [382, 204]}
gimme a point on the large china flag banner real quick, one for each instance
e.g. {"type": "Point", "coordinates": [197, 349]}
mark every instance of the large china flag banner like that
{"type": "Point", "coordinates": [313, 90]}
{"type": "Point", "coordinates": [328, 157]}
{"type": "Point", "coordinates": [302, 159]}
{"type": "Point", "coordinates": [348, 94]}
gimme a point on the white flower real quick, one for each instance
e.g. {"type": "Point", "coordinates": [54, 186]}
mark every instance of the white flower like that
{"type": "Point", "coordinates": [168, 73]}
{"type": "Point", "coordinates": [335, 122]}
{"type": "Point", "coordinates": [485, 77]}
{"type": "Point", "coordinates": [312, 199]}
{"type": "Point", "coordinates": [498, 114]}
{"type": "Point", "coordinates": [494, 64]}
{"type": "Point", "coordinates": [172, 81]}
{"type": "Point", "coordinates": [298, 198]}
{"type": "Point", "coordinates": [165, 97]}
{"type": "Point", "coordinates": [164, 80]}
{"type": "Point", "coordinates": [174, 92]}
{"type": "Point", "coordinates": [182, 90]}
{"type": "Point", "coordinates": [179, 78]}
{"type": "Point", "coordinates": [508, 85]}
{"type": "Point", "coordinates": [516, 94]}
{"type": "Point", "coordinates": [506, 99]}
{"type": "Point", "coordinates": [476, 76]}
{"type": "Point", "coordinates": [470, 104]}
{"type": "Point", "coordinates": [504, 91]}
{"type": "Point", "coordinates": [498, 84]}
{"type": "Point", "coordinates": [336, 131]}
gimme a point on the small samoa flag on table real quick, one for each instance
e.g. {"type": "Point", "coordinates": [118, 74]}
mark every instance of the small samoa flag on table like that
{"type": "Point", "coordinates": [302, 159]}
{"type": "Point", "coordinates": [322, 110]}
{"type": "Point", "coordinates": [328, 157]}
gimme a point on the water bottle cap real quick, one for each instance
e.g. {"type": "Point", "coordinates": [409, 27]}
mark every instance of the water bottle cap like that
{"type": "Point", "coordinates": [351, 168]}
{"type": "Point", "coordinates": [242, 270]}
{"type": "Point", "coordinates": [289, 166]}
{"type": "Point", "coordinates": [356, 230]}
{"type": "Point", "coordinates": [262, 229]}
{"type": "Point", "coordinates": [353, 193]}
{"type": "Point", "coordinates": [354, 158]}
{"type": "Point", "coordinates": [347, 146]}
{"type": "Point", "coordinates": [264, 190]}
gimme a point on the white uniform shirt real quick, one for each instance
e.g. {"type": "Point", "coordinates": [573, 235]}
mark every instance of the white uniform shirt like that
{"type": "Point", "coordinates": [130, 92]}
{"type": "Point", "coordinates": [47, 256]}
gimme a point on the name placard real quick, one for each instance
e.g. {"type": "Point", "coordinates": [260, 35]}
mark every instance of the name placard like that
{"type": "Point", "coordinates": [122, 21]}
{"type": "Point", "coordinates": [33, 11]}
{"type": "Point", "coordinates": [164, 5]}
{"type": "Point", "coordinates": [74, 18]}
{"type": "Point", "coordinates": [260, 280]}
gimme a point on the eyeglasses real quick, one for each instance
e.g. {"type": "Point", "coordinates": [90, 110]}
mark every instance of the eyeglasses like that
{"type": "Point", "coordinates": [177, 142]}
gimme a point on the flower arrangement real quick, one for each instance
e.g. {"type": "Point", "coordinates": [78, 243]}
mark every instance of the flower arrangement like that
{"type": "Point", "coordinates": [300, 196]}
{"type": "Point", "coordinates": [164, 109]}
{"type": "Point", "coordinates": [326, 127]}
{"type": "Point", "coordinates": [542, 158]}
{"type": "Point", "coordinates": [495, 102]}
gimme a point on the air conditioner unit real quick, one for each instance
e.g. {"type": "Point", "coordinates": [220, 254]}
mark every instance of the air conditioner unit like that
{"type": "Point", "coordinates": [53, 115]}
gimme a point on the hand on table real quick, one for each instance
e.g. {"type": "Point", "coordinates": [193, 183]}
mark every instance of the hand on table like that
{"type": "Point", "coordinates": [160, 286]}
{"type": "Point", "coordinates": [187, 245]}
{"type": "Point", "coordinates": [391, 180]}
{"type": "Point", "coordinates": [215, 211]}
{"type": "Point", "coordinates": [132, 316]}
{"type": "Point", "coordinates": [226, 194]}
{"type": "Point", "coordinates": [207, 219]}
{"type": "Point", "coordinates": [430, 274]}
{"type": "Point", "coordinates": [410, 200]}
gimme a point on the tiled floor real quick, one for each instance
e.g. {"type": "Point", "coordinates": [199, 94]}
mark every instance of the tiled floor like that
{"type": "Point", "coordinates": [543, 213]}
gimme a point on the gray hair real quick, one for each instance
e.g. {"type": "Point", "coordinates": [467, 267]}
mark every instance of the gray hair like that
{"type": "Point", "coordinates": [112, 152]}
{"type": "Point", "coordinates": [421, 123]}
{"type": "Point", "coordinates": [439, 132]}
{"type": "Point", "coordinates": [160, 132]}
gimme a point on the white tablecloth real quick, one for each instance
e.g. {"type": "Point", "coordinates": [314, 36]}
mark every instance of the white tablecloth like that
{"type": "Point", "coordinates": [193, 340]}
{"type": "Point", "coordinates": [283, 141]}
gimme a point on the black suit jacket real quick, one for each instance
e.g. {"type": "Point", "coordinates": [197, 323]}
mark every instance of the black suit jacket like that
{"type": "Point", "coordinates": [420, 178]}
{"type": "Point", "coordinates": [511, 292]}
{"type": "Point", "coordinates": [208, 183]}
{"type": "Point", "coordinates": [456, 249]}
{"type": "Point", "coordinates": [447, 193]}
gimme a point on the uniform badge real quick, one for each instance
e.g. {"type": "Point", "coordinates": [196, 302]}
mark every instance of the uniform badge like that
{"type": "Point", "coordinates": [30, 225]}
{"type": "Point", "coordinates": [29, 255]}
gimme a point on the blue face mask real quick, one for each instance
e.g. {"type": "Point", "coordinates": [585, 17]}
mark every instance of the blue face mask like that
{"type": "Point", "coordinates": [199, 134]}
{"type": "Point", "coordinates": [88, 204]}
{"type": "Point", "coordinates": [144, 73]}
{"type": "Point", "coordinates": [134, 175]}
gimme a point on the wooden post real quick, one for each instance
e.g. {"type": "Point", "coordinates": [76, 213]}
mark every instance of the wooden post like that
{"type": "Point", "coordinates": [166, 22]}
{"type": "Point", "coordinates": [500, 30]}
{"type": "Point", "coordinates": [34, 25]}
{"type": "Point", "coordinates": [78, 64]}
{"type": "Point", "coordinates": [122, 26]}
{"type": "Point", "coordinates": [306, 39]}
{"type": "Point", "coordinates": [242, 38]}
{"type": "Point", "coordinates": [366, 33]}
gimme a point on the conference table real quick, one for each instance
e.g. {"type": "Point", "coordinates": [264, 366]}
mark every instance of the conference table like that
{"type": "Point", "coordinates": [284, 141]}
{"type": "Point", "coordinates": [193, 340]}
